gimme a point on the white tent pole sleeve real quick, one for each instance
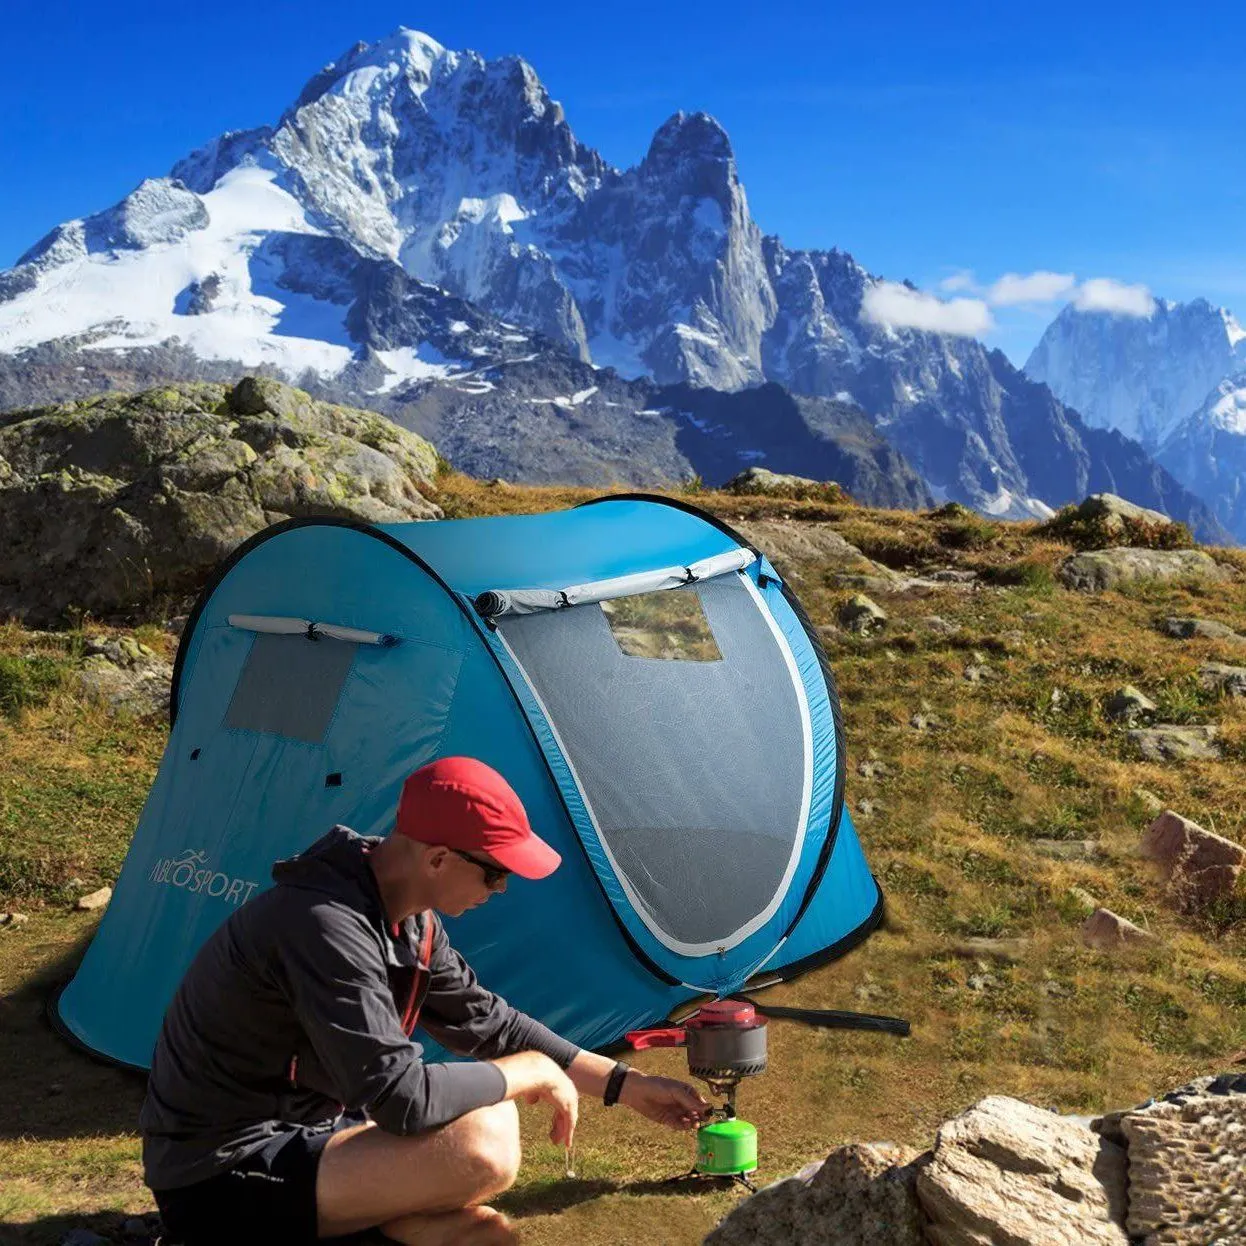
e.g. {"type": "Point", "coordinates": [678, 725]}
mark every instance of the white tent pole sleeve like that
{"type": "Point", "coordinates": [270, 623]}
{"type": "Point", "coordinates": [497, 602]}
{"type": "Point", "coordinates": [275, 625]}
{"type": "Point", "coordinates": [354, 634]}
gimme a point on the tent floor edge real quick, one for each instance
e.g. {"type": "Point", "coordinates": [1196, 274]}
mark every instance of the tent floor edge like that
{"type": "Point", "coordinates": [52, 1014]}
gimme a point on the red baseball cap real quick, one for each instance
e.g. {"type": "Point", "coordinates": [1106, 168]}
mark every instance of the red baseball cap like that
{"type": "Point", "coordinates": [462, 803]}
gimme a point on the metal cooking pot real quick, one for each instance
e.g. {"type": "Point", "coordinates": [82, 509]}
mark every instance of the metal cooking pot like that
{"type": "Point", "coordinates": [726, 1040]}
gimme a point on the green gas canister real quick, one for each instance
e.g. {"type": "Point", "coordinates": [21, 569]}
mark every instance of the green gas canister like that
{"type": "Point", "coordinates": [727, 1148]}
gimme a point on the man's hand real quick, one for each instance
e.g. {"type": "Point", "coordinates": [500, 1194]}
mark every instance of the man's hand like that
{"type": "Point", "coordinates": [537, 1079]}
{"type": "Point", "coordinates": [665, 1100]}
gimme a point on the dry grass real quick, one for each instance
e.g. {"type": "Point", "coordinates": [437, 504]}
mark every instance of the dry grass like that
{"type": "Point", "coordinates": [956, 809]}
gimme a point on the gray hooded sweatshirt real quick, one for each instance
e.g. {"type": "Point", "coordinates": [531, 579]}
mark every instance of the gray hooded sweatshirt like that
{"type": "Point", "coordinates": [293, 1011]}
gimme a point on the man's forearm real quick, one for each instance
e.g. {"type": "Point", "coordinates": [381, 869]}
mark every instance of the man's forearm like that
{"type": "Point", "coordinates": [590, 1072]}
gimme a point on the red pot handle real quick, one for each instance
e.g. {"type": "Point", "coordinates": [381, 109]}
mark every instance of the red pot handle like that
{"type": "Point", "coordinates": [640, 1039]}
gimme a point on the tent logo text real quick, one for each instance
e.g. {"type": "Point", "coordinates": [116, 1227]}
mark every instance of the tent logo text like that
{"type": "Point", "coordinates": [189, 872]}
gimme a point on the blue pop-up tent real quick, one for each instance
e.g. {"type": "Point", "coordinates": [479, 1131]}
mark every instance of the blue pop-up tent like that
{"type": "Point", "coordinates": [638, 671]}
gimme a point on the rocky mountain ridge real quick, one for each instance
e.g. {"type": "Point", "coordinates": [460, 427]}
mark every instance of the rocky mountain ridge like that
{"type": "Point", "coordinates": [407, 176]}
{"type": "Point", "coordinates": [1142, 375]}
{"type": "Point", "coordinates": [1175, 380]}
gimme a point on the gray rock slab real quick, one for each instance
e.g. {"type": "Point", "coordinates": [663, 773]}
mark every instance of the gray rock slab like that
{"type": "Point", "coordinates": [1230, 680]}
{"type": "Point", "coordinates": [1098, 570]}
{"type": "Point", "coordinates": [1202, 629]}
{"type": "Point", "coordinates": [1006, 951]}
{"type": "Point", "coordinates": [1167, 742]}
{"type": "Point", "coordinates": [1068, 849]}
{"type": "Point", "coordinates": [869, 583]}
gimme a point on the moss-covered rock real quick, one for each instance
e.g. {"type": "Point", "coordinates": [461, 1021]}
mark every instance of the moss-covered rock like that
{"type": "Point", "coordinates": [111, 504]}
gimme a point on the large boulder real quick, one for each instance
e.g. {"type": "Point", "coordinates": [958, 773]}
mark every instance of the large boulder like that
{"type": "Point", "coordinates": [761, 480]}
{"type": "Point", "coordinates": [111, 504]}
{"type": "Point", "coordinates": [860, 1195]}
{"type": "Point", "coordinates": [1187, 1165]}
{"type": "Point", "coordinates": [1007, 1172]}
{"type": "Point", "coordinates": [1200, 866]}
{"type": "Point", "coordinates": [1100, 569]}
{"type": "Point", "coordinates": [1113, 513]}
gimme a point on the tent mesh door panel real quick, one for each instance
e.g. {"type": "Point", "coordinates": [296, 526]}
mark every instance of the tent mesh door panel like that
{"type": "Point", "coordinates": [695, 771]}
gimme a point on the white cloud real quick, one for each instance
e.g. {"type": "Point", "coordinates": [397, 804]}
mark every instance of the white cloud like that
{"type": "Point", "coordinates": [959, 282]}
{"type": "Point", "coordinates": [892, 304]}
{"type": "Point", "coordinates": [1037, 287]}
{"type": "Point", "coordinates": [1106, 294]}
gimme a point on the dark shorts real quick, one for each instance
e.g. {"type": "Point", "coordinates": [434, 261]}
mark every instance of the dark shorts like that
{"type": "Point", "coordinates": [269, 1198]}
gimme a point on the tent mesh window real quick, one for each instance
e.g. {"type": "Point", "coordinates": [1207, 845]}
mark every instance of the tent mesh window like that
{"type": "Point", "coordinates": [290, 686]}
{"type": "Point", "coordinates": [701, 841]}
{"type": "Point", "coordinates": [669, 625]}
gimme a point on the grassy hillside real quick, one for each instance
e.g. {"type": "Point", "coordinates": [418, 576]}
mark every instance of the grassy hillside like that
{"type": "Point", "coordinates": [953, 779]}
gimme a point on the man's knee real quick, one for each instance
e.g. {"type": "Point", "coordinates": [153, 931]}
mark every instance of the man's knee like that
{"type": "Point", "coordinates": [491, 1146]}
{"type": "Point", "coordinates": [492, 1229]}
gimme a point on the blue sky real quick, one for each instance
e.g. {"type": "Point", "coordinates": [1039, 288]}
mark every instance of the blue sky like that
{"type": "Point", "coordinates": [947, 144]}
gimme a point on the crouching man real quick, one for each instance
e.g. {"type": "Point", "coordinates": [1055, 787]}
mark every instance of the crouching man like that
{"type": "Point", "coordinates": [286, 1101]}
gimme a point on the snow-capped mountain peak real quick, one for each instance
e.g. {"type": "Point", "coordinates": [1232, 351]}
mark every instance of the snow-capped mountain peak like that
{"type": "Point", "coordinates": [1141, 375]}
{"type": "Point", "coordinates": [1226, 408]}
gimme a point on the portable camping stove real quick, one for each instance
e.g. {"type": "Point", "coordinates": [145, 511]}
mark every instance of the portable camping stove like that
{"type": "Point", "coordinates": [726, 1041]}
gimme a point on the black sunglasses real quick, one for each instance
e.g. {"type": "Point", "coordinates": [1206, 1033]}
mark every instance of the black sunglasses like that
{"type": "Point", "coordinates": [494, 874]}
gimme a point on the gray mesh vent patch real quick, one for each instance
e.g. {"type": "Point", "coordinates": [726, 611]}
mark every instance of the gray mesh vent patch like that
{"type": "Point", "coordinates": [694, 770]}
{"type": "Point", "coordinates": [290, 686]}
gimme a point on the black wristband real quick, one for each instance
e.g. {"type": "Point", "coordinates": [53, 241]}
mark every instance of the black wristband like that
{"type": "Point", "coordinates": [615, 1083]}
